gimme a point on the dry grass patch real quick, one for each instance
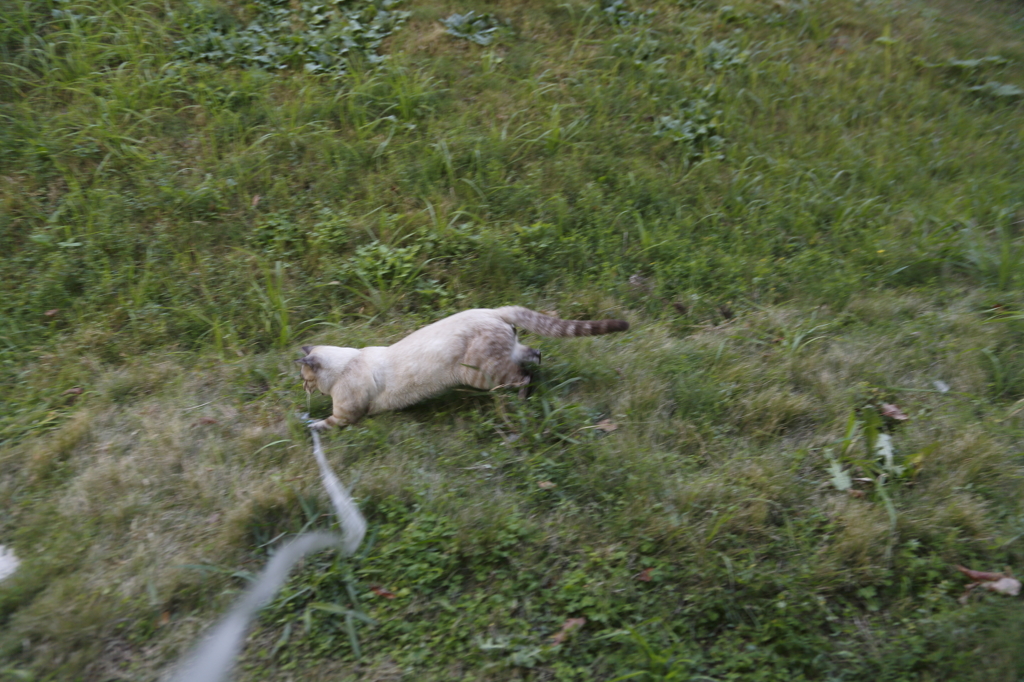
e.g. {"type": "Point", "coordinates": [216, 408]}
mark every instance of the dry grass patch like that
{"type": "Point", "coordinates": [863, 532]}
{"type": "Point", "coordinates": [773, 411]}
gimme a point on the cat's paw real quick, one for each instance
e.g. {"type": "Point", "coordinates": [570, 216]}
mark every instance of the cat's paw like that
{"type": "Point", "coordinates": [320, 425]}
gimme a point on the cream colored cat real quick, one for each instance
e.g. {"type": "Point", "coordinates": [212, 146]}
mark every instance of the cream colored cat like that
{"type": "Point", "coordinates": [478, 348]}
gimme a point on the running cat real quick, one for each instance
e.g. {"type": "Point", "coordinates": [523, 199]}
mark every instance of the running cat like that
{"type": "Point", "coordinates": [477, 347]}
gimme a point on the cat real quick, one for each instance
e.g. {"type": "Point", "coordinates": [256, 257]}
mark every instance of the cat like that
{"type": "Point", "coordinates": [476, 347]}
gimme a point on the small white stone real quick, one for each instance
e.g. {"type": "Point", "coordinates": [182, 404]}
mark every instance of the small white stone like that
{"type": "Point", "coordinates": [8, 562]}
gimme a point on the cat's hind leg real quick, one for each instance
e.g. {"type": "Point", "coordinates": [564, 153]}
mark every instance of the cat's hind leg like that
{"type": "Point", "coordinates": [489, 362]}
{"type": "Point", "coordinates": [524, 355]}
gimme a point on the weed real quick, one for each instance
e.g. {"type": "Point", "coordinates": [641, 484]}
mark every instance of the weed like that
{"type": "Point", "coordinates": [470, 26]}
{"type": "Point", "coordinates": [275, 311]}
{"type": "Point", "coordinates": [618, 13]}
{"type": "Point", "coordinates": [381, 276]}
{"type": "Point", "coordinates": [997, 262]}
{"type": "Point", "coordinates": [659, 664]}
{"type": "Point", "coordinates": [878, 462]}
{"type": "Point", "coordinates": [793, 339]}
{"type": "Point", "coordinates": [695, 125]}
{"type": "Point", "coordinates": [316, 37]}
{"type": "Point", "coordinates": [1006, 372]}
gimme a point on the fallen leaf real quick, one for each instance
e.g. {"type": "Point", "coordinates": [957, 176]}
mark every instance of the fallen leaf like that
{"type": "Point", "coordinates": [164, 619]}
{"type": "Point", "coordinates": [73, 394]}
{"type": "Point", "coordinates": [995, 582]}
{"type": "Point", "coordinates": [381, 592]}
{"type": "Point", "coordinates": [547, 485]}
{"type": "Point", "coordinates": [893, 412]}
{"type": "Point", "coordinates": [840, 479]}
{"type": "Point", "coordinates": [606, 425]}
{"type": "Point", "coordinates": [256, 200]}
{"type": "Point", "coordinates": [979, 576]}
{"type": "Point", "coordinates": [1008, 586]}
{"type": "Point", "coordinates": [51, 313]}
{"type": "Point", "coordinates": [570, 626]}
{"type": "Point", "coordinates": [644, 575]}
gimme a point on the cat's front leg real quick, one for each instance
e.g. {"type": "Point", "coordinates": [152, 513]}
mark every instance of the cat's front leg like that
{"type": "Point", "coordinates": [345, 412]}
{"type": "Point", "coordinates": [324, 424]}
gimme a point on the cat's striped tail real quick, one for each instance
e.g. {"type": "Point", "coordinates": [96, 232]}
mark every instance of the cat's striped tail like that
{"type": "Point", "coordinates": [545, 325]}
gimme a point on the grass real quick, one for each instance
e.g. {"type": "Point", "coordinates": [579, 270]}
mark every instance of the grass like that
{"type": "Point", "coordinates": [806, 210]}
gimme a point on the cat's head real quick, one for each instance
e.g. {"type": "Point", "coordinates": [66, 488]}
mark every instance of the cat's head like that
{"type": "Point", "coordinates": [308, 368]}
{"type": "Point", "coordinates": [322, 366]}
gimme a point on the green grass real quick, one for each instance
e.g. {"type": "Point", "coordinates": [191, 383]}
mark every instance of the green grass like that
{"type": "Point", "coordinates": [821, 205]}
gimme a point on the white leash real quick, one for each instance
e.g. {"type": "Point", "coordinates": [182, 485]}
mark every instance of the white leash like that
{"type": "Point", "coordinates": [352, 523]}
{"type": "Point", "coordinates": [215, 656]}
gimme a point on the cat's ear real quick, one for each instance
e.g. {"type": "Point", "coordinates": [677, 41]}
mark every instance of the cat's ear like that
{"type": "Point", "coordinates": [310, 362]}
{"type": "Point", "coordinates": [306, 349]}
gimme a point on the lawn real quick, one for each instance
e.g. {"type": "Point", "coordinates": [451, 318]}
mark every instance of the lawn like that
{"type": "Point", "coordinates": [810, 212]}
